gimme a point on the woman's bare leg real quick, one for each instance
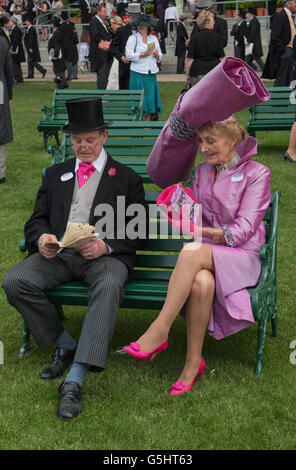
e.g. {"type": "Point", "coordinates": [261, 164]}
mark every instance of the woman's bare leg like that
{"type": "Point", "coordinates": [190, 262]}
{"type": "Point", "coordinates": [198, 311]}
{"type": "Point", "coordinates": [292, 142]}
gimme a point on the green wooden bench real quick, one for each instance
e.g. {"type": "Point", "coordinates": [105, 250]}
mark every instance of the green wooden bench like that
{"type": "Point", "coordinates": [124, 105]}
{"type": "Point", "coordinates": [276, 114]}
{"type": "Point", "coordinates": [148, 284]}
{"type": "Point", "coordinates": [128, 142]}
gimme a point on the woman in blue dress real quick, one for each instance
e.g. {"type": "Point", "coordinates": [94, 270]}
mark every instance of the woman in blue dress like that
{"type": "Point", "coordinates": [144, 53]}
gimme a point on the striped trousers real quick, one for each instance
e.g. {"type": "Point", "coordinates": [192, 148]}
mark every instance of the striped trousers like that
{"type": "Point", "coordinates": [26, 283]}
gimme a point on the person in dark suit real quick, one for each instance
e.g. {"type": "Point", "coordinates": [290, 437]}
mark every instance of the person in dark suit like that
{"type": "Point", "coordinates": [31, 45]}
{"type": "Point", "coordinates": [17, 50]}
{"type": "Point", "coordinates": [220, 25]}
{"type": "Point", "coordinates": [70, 41]}
{"type": "Point", "coordinates": [205, 49]}
{"type": "Point", "coordinates": [117, 49]}
{"type": "Point", "coordinates": [6, 80]}
{"type": "Point", "coordinates": [254, 37]}
{"type": "Point", "coordinates": [85, 9]}
{"type": "Point", "coordinates": [181, 44]}
{"type": "Point", "coordinates": [100, 56]}
{"type": "Point", "coordinates": [4, 25]}
{"type": "Point", "coordinates": [279, 62]}
{"type": "Point", "coordinates": [239, 32]}
{"type": "Point", "coordinates": [79, 190]}
{"type": "Point", "coordinates": [57, 55]}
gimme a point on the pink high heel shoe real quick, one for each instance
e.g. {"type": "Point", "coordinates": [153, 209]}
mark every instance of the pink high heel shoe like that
{"type": "Point", "coordinates": [178, 388]}
{"type": "Point", "coordinates": [135, 351]}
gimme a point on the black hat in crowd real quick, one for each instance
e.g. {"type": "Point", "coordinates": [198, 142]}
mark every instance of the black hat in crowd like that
{"type": "Point", "coordinates": [85, 114]}
{"type": "Point", "coordinates": [144, 20]}
{"type": "Point", "coordinates": [56, 21]}
{"type": "Point", "coordinates": [242, 13]}
{"type": "Point", "coordinates": [65, 15]}
{"type": "Point", "coordinates": [252, 10]}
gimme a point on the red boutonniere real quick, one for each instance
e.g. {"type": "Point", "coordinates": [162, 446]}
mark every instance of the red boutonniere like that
{"type": "Point", "coordinates": [111, 172]}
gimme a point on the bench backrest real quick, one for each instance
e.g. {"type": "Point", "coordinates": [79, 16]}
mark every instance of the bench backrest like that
{"type": "Point", "coordinates": [281, 105]}
{"type": "Point", "coordinates": [117, 104]}
{"type": "Point", "coordinates": [128, 143]}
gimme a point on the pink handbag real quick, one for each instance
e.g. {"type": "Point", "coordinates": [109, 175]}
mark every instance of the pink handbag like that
{"type": "Point", "coordinates": [181, 208]}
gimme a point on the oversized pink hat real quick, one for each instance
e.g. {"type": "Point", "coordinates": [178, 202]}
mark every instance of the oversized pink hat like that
{"type": "Point", "coordinates": [230, 87]}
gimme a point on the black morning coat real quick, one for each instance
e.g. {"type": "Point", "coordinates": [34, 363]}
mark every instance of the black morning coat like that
{"type": "Point", "coordinates": [279, 38]}
{"type": "Point", "coordinates": [54, 199]}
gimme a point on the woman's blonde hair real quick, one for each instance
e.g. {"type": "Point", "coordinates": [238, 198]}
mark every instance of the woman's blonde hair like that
{"type": "Point", "coordinates": [117, 20]}
{"type": "Point", "coordinates": [204, 18]}
{"type": "Point", "coordinates": [231, 129]}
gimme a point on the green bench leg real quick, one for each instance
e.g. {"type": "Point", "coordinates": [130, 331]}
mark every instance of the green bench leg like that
{"type": "Point", "coordinates": [45, 140]}
{"type": "Point", "coordinates": [25, 342]}
{"type": "Point", "coordinates": [26, 333]}
{"type": "Point", "coordinates": [275, 326]}
{"type": "Point", "coordinates": [262, 323]}
{"type": "Point", "coordinates": [46, 135]}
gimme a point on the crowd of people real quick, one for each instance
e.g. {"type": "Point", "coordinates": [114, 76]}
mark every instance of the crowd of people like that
{"type": "Point", "coordinates": [106, 30]}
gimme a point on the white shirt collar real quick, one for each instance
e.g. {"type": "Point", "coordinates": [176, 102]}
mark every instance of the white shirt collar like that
{"type": "Point", "coordinates": [101, 22]}
{"type": "Point", "coordinates": [288, 11]}
{"type": "Point", "coordinates": [98, 163]}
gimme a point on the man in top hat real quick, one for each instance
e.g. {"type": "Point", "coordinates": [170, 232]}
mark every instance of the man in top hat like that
{"type": "Point", "coordinates": [31, 45]}
{"type": "Point", "coordinates": [279, 62]}
{"type": "Point", "coordinates": [69, 41]}
{"type": "Point", "coordinates": [181, 44]}
{"type": "Point", "coordinates": [254, 37]}
{"type": "Point", "coordinates": [55, 49]}
{"type": "Point", "coordinates": [239, 31]}
{"type": "Point", "coordinates": [17, 50]}
{"type": "Point", "coordinates": [82, 189]}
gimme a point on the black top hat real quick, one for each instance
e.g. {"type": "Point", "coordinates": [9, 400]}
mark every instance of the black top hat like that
{"type": "Point", "coordinates": [145, 20]}
{"type": "Point", "coordinates": [252, 10]}
{"type": "Point", "coordinates": [85, 114]}
{"type": "Point", "coordinates": [56, 22]}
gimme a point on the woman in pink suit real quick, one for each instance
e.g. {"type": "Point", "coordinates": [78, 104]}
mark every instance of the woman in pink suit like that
{"type": "Point", "coordinates": [210, 279]}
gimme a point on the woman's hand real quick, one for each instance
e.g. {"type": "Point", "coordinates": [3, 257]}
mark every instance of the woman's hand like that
{"type": "Point", "coordinates": [188, 80]}
{"type": "Point", "coordinates": [156, 54]}
{"type": "Point", "coordinates": [145, 53]}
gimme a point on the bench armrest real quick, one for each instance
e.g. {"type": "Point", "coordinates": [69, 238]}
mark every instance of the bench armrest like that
{"type": "Point", "coordinates": [23, 245]}
{"type": "Point", "coordinates": [48, 111]}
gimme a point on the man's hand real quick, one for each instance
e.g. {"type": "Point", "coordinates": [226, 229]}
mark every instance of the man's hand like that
{"type": "Point", "coordinates": [93, 249]}
{"type": "Point", "coordinates": [124, 60]}
{"type": "Point", "coordinates": [48, 251]}
{"type": "Point", "coordinates": [104, 45]}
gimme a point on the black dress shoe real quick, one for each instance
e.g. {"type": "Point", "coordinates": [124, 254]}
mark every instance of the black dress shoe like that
{"type": "Point", "coordinates": [70, 400]}
{"type": "Point", "coordinates": [61, 359]}
{"type": "Point", "coordinates": [44, 73]}
{"type": "Point", "coordinates": [2, 180]}
{"type": "Point", "coordinates": [288, 157]}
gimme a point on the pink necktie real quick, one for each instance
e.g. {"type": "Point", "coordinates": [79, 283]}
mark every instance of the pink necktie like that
{"type": "Point", "coordinates": [84, 172]}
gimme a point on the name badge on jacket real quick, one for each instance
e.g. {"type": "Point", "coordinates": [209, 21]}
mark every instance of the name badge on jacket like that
{"type": "Point", "coordinates": [237, 178]}
{"type": "Point", "coordinates": [67, 176]}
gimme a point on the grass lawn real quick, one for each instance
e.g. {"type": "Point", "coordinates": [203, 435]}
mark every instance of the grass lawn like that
{"type": "Point", "coordinates": [128, 406]}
